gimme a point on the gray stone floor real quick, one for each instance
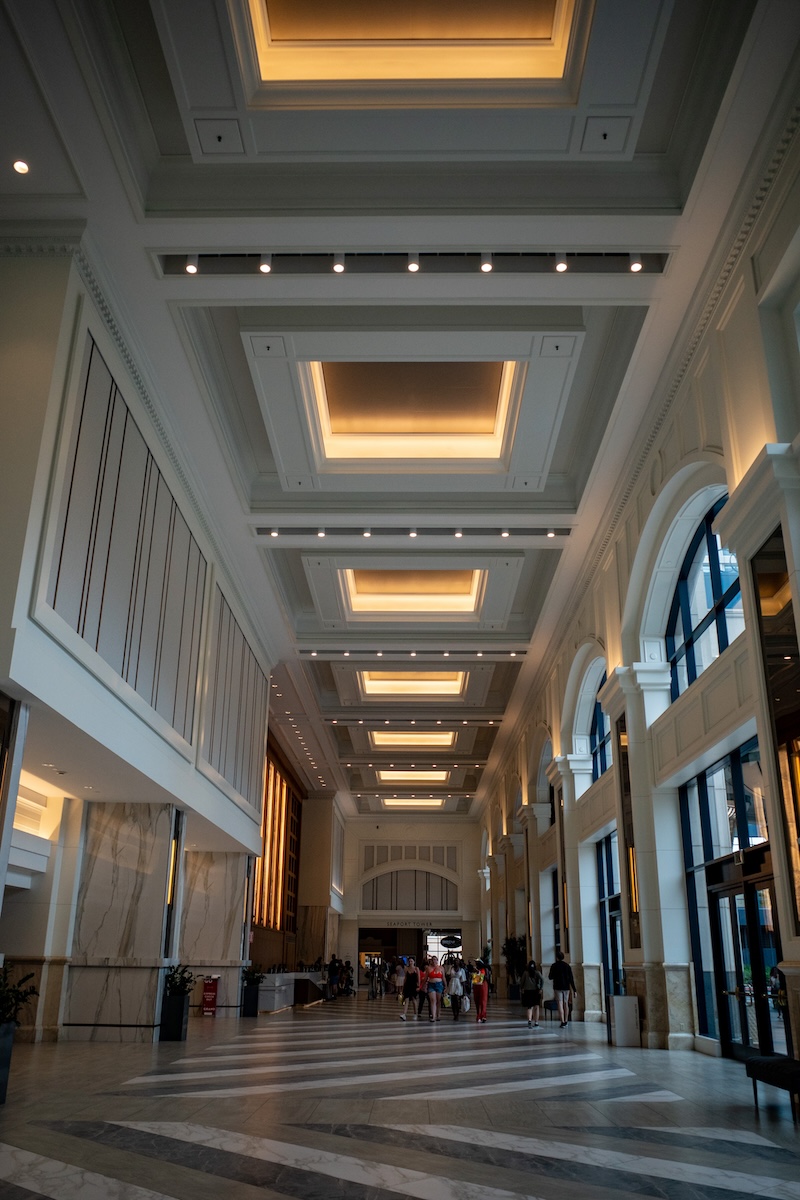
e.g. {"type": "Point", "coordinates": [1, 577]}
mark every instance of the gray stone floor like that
{"type": "Point", "coordinates": [344, 1100]}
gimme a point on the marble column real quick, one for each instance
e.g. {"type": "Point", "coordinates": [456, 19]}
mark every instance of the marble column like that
{"type": "Point", "coordinates": [117, 961]}
{"type": "Point", "coordinates": [575, 777]}
{"type": "Point", "coordinates": [663, 985]}
{"type": "Point", "coordinates": [768, 496]}
{"type": "Point", "coordinates": [213, 924]}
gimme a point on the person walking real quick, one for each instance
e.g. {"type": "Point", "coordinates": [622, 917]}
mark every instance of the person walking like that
{"type": "Point", "coordinates": [436, 983]}
{"type": "Point", "coordinates": [422, 989]}
{"type": "Point", "coordinates": [480, 991]}
{"type": "Point", "coordinates": [531, 993]}
{"type": "Point", "coordinates": [455, 988]}
{"type": "Point", "coordinates": [410, 985]}
{"type": "Point", "coordinates": [563, 986]}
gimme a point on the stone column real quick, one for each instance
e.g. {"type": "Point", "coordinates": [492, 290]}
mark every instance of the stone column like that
{"type": "Point", "coordinates": [768, 496]}
{"type": "Point", "coordinates": [533, 818]}
{"type": "Point", "coordinates": [575, 775]}
{"type": "Point", "coordinates": [664, 987]}
{"type": "Point", "coordinates": [117, 962]}
{"type": "Point", "coordinates": [212, 927]}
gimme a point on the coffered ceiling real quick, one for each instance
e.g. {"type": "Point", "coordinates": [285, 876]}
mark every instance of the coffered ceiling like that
{"type": "Point", "coordinates": [406, 471]}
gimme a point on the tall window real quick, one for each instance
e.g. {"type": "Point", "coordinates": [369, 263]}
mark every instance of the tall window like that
{"type": "Point", "coordinates": [706, 613]}
{"type": "Point", "coordinates": [609, 895]}
{"type": "Point", "coordinates": [722, 812]}
{"type": "Point", "coordinates": [600, 737]}
{"type": "Point", "coordinates": [275, 893]}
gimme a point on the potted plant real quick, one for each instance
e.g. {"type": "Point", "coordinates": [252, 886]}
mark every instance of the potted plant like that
{"type": "Point", "coordinates": [514, 951]}
{"type": "Point", "coordinates": [252, 977]}
{"type": "Point", "coordinates": [14, 995]}
{"type": "Point", "coordinates": [178, 984]}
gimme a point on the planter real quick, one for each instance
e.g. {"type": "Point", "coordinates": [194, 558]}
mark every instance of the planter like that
{"type": "Point", "coordinates": [6, 1045]}
{"type": "Point", "coordinates": [174, 1018]}
{"type": "Point", "coordinates": [250, 1000]}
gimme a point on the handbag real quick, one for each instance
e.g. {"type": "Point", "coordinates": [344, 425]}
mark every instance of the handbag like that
{"type": "Point", "coordinates": [465, 1004]}
{"type": "Point", "coordinates": [446, 1000]}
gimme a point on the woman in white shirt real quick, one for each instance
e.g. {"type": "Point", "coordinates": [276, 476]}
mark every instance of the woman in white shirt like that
{"type": "Point", "coordinates": [455, 988]}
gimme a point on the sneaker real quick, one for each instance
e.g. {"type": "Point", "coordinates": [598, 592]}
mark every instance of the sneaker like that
{"type": "Point", "coordinates": [535, 1024]}
{"type": "Point", "coordinates": [402, 1016]}
{"type": "Point", "coordinates": [563, 1025]}
{"type": "Point", "coordinates": [530, 1025]}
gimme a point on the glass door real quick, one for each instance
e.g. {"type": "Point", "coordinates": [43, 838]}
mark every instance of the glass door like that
{"type": "Point", "coordinates": [750, 995]}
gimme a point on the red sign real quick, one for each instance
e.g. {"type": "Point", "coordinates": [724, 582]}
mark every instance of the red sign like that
{"type": "Point", "coordinates": [210, 985]}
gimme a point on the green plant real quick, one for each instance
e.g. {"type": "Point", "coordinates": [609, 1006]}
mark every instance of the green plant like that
{"type": "Point", "coordinates": [14, 995]}
{"type": "Point", "coordinates": [252, 974]}
{"type": "Point", "coordinates": [514, 951]}
{"type": "Point", "coordinates": [179, 981]}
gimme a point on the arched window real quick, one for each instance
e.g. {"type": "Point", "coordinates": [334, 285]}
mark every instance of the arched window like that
{"type": "Point", "coordinates": [600, 737]}
{"type": "Point", "coordinates": [706, 613]}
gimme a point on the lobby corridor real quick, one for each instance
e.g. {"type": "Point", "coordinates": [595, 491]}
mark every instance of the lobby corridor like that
{"type": "Point", "coordinates": [344, 1100]}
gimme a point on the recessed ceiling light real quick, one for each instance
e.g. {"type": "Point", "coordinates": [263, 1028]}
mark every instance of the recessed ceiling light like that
{"type": "Point", "coordinates": [338, 263]}
{"type": "Point", "coordinates": [446, 654]}
{"type": "Point", "coordinates": [313, 654]}
{"type": "Point", "coordinates": [379, 654]}
{"type": "Point", "coordinates": [347, 654]}
{"type": "Point", "coordinates": [551, 533]}
{"type": "Point", "coordinates": [367, 533]}
{"type": "Point", "coordinates": [412, 533]}
{"type": "Point", "coordinates": [513, 654]}
{"type": "Point", "coordinates": [21, 167]}
{"type": "Point", "coordinates": [413, 263]}
{"type": "Point", "coordinates": [504, 533]}
{"type": "Point", "coordinates": [320, 533]}
{"type": "Point", "coordinates": [459, 533]}
{"type": "Point", "coordinates": [479, 654]}
{"type": "Point", "coordinates": [191, 264]}
{"type": "Point", "coordinates": [491, 722]}
{"type": "Point", "coordinates": [486, 263]}
{"type": "Point", "coordinates": [265, 266]}
{"type": "Point", "coordinates": [274, 532]}
{"type": "Point", "coordinates": [561, 263]}
{"type": "Point", "coordinates": [413, 654]}
{"type": "Point", "coordinates": [636, 263]}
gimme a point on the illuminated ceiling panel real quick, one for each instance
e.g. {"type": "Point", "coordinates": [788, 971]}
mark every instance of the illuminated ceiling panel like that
{"type": "Point", "coordinates": [412, 591]}
{"type": "Point", "coordinates": [410, 802]}
{"type": "Point", "coordinates": [301, 40]}
{"type": "Point", "coordinates": [381, 740]}
{"type": "Point", "coordinates": [407, 685]}
{"type": "Point", "coordinates": [410, 776]}
{"type": "Point", "coordinates": [412, 410]}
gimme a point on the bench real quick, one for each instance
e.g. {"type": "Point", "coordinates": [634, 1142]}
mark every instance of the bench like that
{"type": "Point", "coordinates": [779, 1072]}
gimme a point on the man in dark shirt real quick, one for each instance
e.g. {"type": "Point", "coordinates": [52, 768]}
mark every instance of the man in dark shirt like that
{"type": "Point", "coordinates": [563, 986]}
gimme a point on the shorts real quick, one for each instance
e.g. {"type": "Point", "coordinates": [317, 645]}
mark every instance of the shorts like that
{"type": "Point", "coordinates": [559, 995]}
{"type": "Point", "coordinates": [436, 986]}
{"type": "Point", "coordinates": [531, 999]}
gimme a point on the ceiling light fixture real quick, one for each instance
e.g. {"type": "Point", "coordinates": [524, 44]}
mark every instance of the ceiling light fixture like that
{"type": "Point", "coordinates": [413, 263]}
{"type": "Point", "coordinates": [367, 533]}
{"type": "Point", "coordinates": [320, 533]}
{"type": "Point", "coordinates": [551, 533]}
{"type": "Point", "coordinates": [561, 262]}
{"type": "Point", "coordinates": [504, 533]}
{"type": "Point", "coordinates": [347, 654]}
{"type": "Point", "coordinates": [636, 262]}
{"type": "Point", "coordinates": [21, 167]}
{"type": "Point", "coordinates": [459, 533]}
{"type": "Point", "coordinates": [412, 533]}
{"type": "Point", "coordinates": [338, 263]}
{"type": "Point", "coordinates": [379, 654]}
{"type": "Point", "coordinates": [313, 654]}
{"type": "Point", "coordinates": [191, 264]}
{"type": "Point", "coordinates": [274, 532]}
{"type": "Point", "coordinates": [265, 266]}
{"type": "Point", "coordinates": [486, 263]}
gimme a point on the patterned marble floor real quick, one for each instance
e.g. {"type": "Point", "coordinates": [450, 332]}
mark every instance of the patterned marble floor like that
{"type": "Point", "coordinates": [344, 1100]}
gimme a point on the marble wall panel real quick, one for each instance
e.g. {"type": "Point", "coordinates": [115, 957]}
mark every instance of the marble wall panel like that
{"type": "Point", "coordinates": [213, 907]}
{"type": "Point", "coordinates": [116, 1003]}
{"type": "Point", "coordinates": [122, 892]}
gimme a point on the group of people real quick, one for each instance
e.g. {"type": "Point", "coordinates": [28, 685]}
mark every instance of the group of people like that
{"type": "Point", "coordinates": [532, 988]}
{"type": "Point", "coordinates": [455, 985]}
